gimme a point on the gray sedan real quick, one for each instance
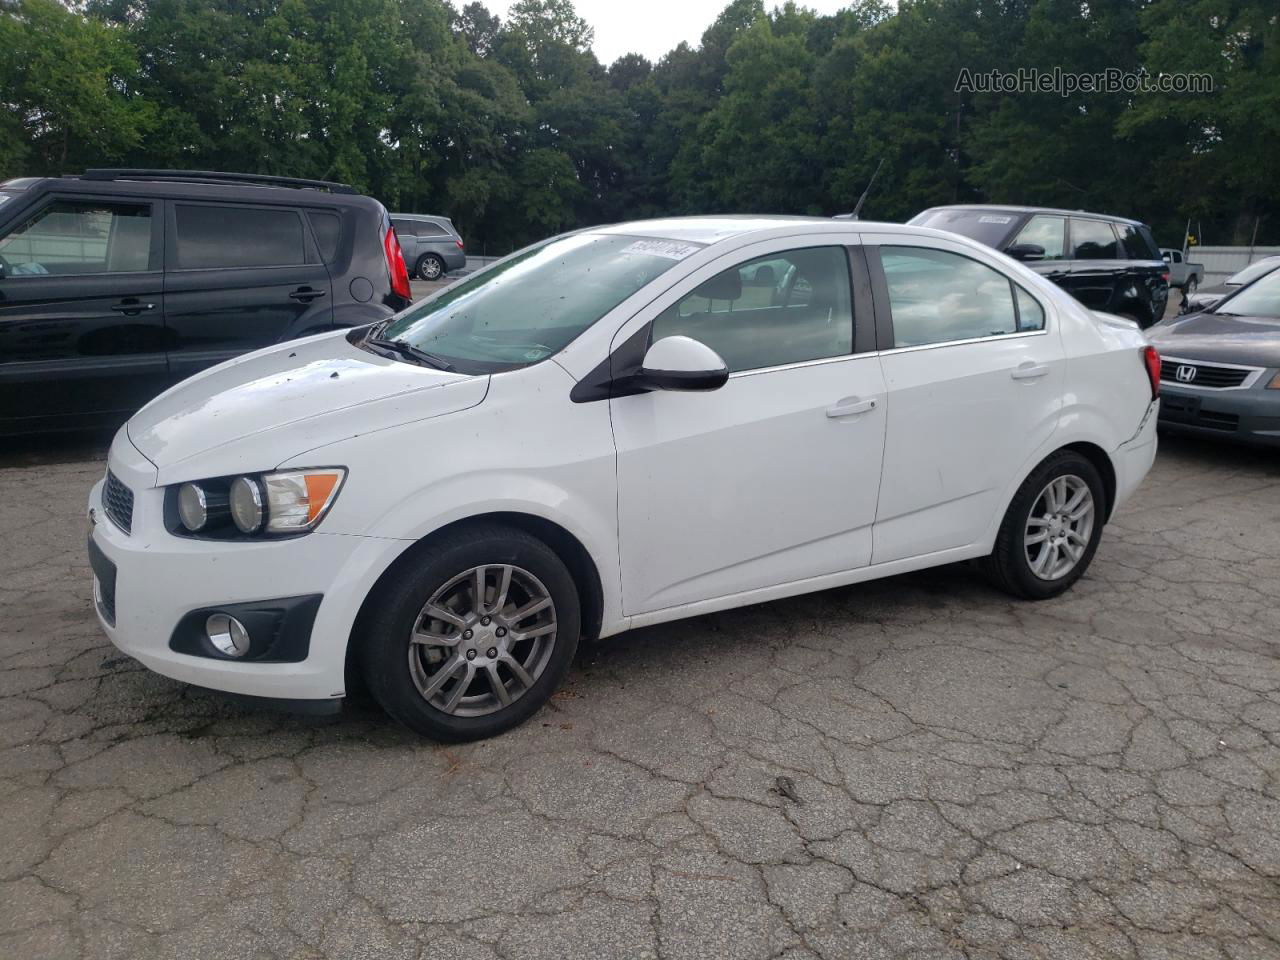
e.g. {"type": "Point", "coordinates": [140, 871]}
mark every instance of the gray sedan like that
{"type": "Point", "coordinates": [1206, 297]}
{"type": "Point", "coordinates": [1221, 367]}
{"type": "Point", "coordinates": [431, 244]}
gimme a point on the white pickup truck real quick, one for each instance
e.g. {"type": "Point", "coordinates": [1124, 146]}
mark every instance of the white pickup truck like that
{"type": "Point", "coordinates": [1183, 274]}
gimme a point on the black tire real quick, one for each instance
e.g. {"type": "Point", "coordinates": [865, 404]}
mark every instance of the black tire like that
{"type": "Point", "coordinates": [427, 264]}
{"type": "Point", "coordinates": [1008, 566]}
{"type": "Point", "coordinates": [393, 613]}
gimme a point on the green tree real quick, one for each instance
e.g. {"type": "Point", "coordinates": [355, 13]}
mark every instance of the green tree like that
{"type": "Point", "coordinates": [67, 89]}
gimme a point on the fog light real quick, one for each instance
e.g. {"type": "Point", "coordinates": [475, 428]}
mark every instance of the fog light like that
{"type": "Point", "coordinates": [227, 634]}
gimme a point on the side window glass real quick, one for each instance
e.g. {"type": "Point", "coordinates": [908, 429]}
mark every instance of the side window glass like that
{"type": "Point", "coordinates": [1135, 246]}
{"type": "Point", "coordinates": [774, 310]}
{"type": "Point", "coordinates": [328, 231]}
{"type": "Point", "coordinates": [1093, 240]}
{"type": "Point", "coordinates": [1047, 232]}
{"type": "Point", "coordinates": [72, 237]}
{"type": "Point", "coordinates": [213, 236]}
{"type": "Point", "coordinates": [405, 228]}
{"type": "Point", "coordinates": [1030, 313]}
{"type": "Point", "coordinates": [936, 297]}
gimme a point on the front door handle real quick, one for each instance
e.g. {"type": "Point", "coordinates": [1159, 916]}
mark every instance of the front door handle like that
{"type": "Point", "coordinates": [132, 306]}
{"type": "Point", "coordinates": [1029, 371]}
{"type": "Point", "coordinates": [306, 294]}
{"type": "Point", "coordinates": [850, 407]}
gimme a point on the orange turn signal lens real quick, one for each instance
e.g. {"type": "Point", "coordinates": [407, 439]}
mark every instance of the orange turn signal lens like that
{"type": "Point", "coordinates": [1275, 383]}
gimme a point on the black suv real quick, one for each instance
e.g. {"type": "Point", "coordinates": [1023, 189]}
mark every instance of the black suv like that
{"type": "Point", "coordinates": [1107, 263]}
{"type": "Point", "coordinates": [118, 283]}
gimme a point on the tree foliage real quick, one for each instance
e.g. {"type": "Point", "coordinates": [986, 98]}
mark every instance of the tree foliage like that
{"type": "Point", "coordinates": [515, 129]}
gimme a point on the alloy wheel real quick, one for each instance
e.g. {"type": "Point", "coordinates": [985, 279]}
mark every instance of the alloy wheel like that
{"type": "Point", "coordinates": [1059, 527]}
{"type": "Point", "coordinates": [482, 640]}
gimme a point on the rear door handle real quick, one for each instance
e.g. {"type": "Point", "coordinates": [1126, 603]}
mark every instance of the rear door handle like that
{"type": "Point", "coordinates": [850, 407]}
{"type": "Point", "coordinates": [132, 306]}
{"type": "Point", "coordinates": [1029, 371]}
{"type": "Point", "coordinates": [306, 294]}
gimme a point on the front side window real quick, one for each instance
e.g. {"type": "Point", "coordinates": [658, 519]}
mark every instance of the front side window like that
{"type": "Point", "coordinates": [773, 310]}
{"type": "Point", "coordinates": [214, 236]}
{"type": "Point", "coordinates": [533, 304]}
{"type": "Point", "coordinates": [937, 297]}
{"type": "Point", "coordinates": [1093, 240]}
{"type": "Point", "coordinates": [71, 237]}
{"type": "Point", "coordinates": [1047, 232]}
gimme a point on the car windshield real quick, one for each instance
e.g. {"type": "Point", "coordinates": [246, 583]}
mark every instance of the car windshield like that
{"type": "Point", "coordinates": [1253, 271]}
{"type": "Point", "coordinates": [534, 303]}
{"type": "Point", "coordinates": [1262, 299]}
{"type": "Point", "coordinates": [985, 226]}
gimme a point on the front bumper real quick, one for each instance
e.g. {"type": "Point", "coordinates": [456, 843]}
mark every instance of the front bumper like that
{"type": "Point", "coordinates": [1250, 415]}
{"type": "Point", "coordinates": [159, 579]}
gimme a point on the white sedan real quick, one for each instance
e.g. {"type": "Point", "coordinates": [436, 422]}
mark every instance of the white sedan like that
{"type": "Point", "coordinates": [613, 428]}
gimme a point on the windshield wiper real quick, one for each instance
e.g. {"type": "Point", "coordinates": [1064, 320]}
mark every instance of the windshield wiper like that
{"type": "Point", "coordinates": [409, 351]}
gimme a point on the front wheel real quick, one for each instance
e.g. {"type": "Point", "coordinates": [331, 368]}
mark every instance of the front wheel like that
{"type": "Point", "coordinates": [1051, 530]}
{"type": "Point", "coordinates": [474, 637]}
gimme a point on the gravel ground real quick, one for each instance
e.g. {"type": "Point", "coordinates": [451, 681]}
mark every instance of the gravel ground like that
{"type": "Point", "coordinates": [918, 767]}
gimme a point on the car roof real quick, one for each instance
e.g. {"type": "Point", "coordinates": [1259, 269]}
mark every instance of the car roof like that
{"type": "Point", "coordinates": [196, 190]}
{"type": "Point", "coordinates": [1014, 208]}
{"type": "Point", "coordinates": [436, 217]}
{"type": "Point", "coordinates": [714, 229]}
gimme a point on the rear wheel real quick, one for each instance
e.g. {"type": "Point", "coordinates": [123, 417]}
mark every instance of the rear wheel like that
{"type": "Point", "coordinates": [1051, 530]}
{"type": "Point", "coordinates": [473, 638]}
{"type": "Point", "coordinates": [430, 267]}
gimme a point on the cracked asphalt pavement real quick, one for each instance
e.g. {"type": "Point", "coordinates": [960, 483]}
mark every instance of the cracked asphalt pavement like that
{"type": "Point", "coordinates": [918, 767]}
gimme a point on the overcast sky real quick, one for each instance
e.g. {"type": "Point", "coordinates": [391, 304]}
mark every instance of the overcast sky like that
{"type": "Point", "coordinates": [654, 26]}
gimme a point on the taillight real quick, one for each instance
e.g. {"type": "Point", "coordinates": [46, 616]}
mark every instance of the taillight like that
{"type": "Point", "coordinates": [395, 265]}
{"type": "Point", "coordinates": [459, 243]}
{"type": "Point", "coordinates": [1151, 359]}
{"type": "Point", "coordinates": [1165, 276]}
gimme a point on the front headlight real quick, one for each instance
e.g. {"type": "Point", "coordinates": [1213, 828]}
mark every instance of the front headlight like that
{"type": "Point", "coordinates": [279, 503]}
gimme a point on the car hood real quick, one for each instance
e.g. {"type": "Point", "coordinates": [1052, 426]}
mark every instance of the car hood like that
{"type": "Point", "coordinates": [262, 409]}
{"type": "Point", "coordinates": [1250, 341]}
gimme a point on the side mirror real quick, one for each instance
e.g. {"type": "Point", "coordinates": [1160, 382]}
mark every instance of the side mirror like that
{"type": "Point", "coordinates": [682, 363]}
{"type": "Point", "coordinates": [1025, 251]}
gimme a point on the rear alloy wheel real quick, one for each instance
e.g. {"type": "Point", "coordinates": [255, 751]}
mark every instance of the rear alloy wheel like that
{"type": "Point", "coordinates": [1051, 530]}
{"type": "Point", "coordinates": [430, 267]}
{"type": "Point", "coordinates": [473, 638]}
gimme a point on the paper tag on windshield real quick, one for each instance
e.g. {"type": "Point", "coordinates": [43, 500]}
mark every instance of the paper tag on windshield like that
{"type": "Point", "coordinates": [993, 218]}
{"type": "Point", "coordinates": [671, 249]}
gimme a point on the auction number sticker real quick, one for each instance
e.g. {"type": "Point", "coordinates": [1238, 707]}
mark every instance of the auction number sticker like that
{"type": "Point", "coordinates": [671, 249]}
{"type": "Point", "coordinates": [993, 218]}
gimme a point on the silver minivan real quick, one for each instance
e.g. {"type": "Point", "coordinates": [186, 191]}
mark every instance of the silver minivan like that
{"type": "Point", "coordinates": [432, 246]}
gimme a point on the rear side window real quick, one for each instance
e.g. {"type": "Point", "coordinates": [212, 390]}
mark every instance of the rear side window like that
{"type": "Point", "coordinates": [216, 236]}
{"type": "Point", "coordinates": [75, 237]}
{"type": "Point", "coordinates": [1138, 245]}
{"type": "Point", "coordinates": [937, 297]}
{"type": "Point", "coordinates": [405, 228]}
{"type": "Point", "coordinates": [328, 231]}
{"type": "Point", "coordinates": [1093, 240]}
{"type": "Point", "coordinates": [1047, 232]}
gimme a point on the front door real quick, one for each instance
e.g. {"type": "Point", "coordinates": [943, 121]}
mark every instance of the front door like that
{"type": "Point", "coordinates": [239, 278]}
{"type": "Point", "coordinates": [974, 375]}
{"type": "Point", "coordinates": [81, 312]}
{"type": "Point", "coordinates": [772, 478]}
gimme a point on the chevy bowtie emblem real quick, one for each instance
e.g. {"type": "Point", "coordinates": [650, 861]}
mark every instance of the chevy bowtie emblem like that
{"type": "Point", "coordinates": [1185, 373]}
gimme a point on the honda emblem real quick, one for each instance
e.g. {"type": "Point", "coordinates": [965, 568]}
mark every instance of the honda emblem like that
{"type": "Point", "coordinates": [1185, 373]}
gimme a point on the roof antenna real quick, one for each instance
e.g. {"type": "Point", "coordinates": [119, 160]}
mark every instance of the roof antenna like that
{"type": "Point", "coordinates": [862, 199]}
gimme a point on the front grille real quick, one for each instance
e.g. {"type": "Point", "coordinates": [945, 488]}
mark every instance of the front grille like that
{"type": "Point", "coordinates": [117, 500]}
{"type": "Point", "coordinates": [1202, 375]}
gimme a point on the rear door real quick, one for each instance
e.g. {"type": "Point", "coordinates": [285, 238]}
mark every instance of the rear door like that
{"type": "Point", "coordinates": [81, 310]}
{"type": "Point", "coordinates": [1098, 265]}
{"type": "Point", "coordinates": [974, 375]}
{"type": "Point", "coordinates": [239, 277]}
